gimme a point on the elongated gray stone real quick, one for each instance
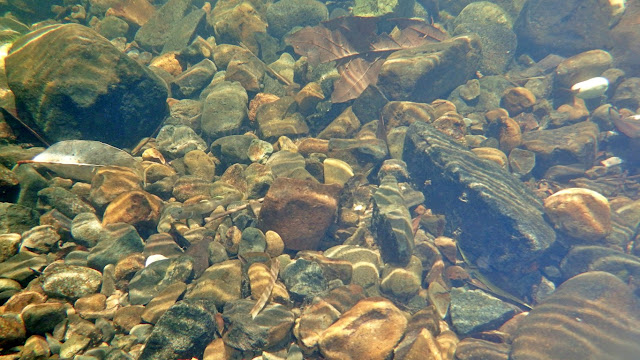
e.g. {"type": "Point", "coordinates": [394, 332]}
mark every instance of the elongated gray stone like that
{"type": "Point", "coordinates": [498, 221]}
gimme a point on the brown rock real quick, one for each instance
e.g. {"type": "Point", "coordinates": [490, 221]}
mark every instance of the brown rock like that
{"type": "Point", "coordinates": [109, 182]}
{"type": "Point", "coordinates": [127, 317]}
{"type": "Point", "coordinates": [313, 145]}
{"type": "Point", "coordinates": [580, 213]}
{"type": "Point", "coordinates": [510, 135]}
{"type": "Point", "coordinates": [20, 300]}
{"type": "Point", "coordinates": [369, 330]}
{"type": "Point", "coordinates": [300, 211]}
{"type": "Point", "coordinates": [257, 101]}
{"type": "Point", "coordinates": [344, 126]}
{"type": "Point", "coordinates": [133, 207]}
{"type": "Point", "coordinates": [581, 67]}
{"type": "Point", "coordinates": [517, 100]}
{"type": "Point", "coordinates": [168, 62]}
{"type": "Point", "coordinates": [492, 154]}
{"type": "Point", "coordinates": [12, 329]}
{"type": "Point", "coordinates": [576, 111]}
{"type": "Point", "coordinates": [162, 302]}
{"type": "Point", "coordinates": [308, 97]}
{"type": "Point", "coordinates": [452, 124]}
{"type": "Point", "coordinates": [35, 348]}
{"type": "Point", "coordinates": [199, 164]}
{"type": "Point", "coordinates": [593, 315]}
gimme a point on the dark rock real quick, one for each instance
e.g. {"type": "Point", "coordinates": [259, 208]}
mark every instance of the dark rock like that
{"type": "Point", "coordinates": [626, 94]}
{"type": "Point", "coordinates": [184, 31]}
{"type": "Point", "coordinates": [493, 26]}
{"type": "Point", "coordinates": [304, 279]}
{"type": "Point", "coordinates": [285, 15]}
{"type": "Point", "coordinates": [567, 145]}
{"type": "Point", "coordinates": [16, 218]}
{"type": "Point", "coordinates": [582, 259]}
{"type": "Point", "coordinates": [225, 110]}
{"type": "Point", "coordinates": [22, 266]}
{"type": "Point", "coordinates": [176, 140]}
{"type": "Point", "coordinates": [182, 332]}
{"type": "Point", "coordinates": [253, 240]}
{"type": "Point", "coordinates": [475, 311]}
{"type": "Point", "coordinates": [593, 315]}
{"type": "Point", "coordinates": [98, 87]}
{"type": "Point", "coordinates": [190, 82]}
{"type": "Point", "coordinates": [564, 28]}
{"type": "Point", "coordinates": [272, 325]}
{"type": "Point", "coordinates": [157, 276]}
{"type": "Point", "coordinates": [118, 241]}
{"type": "Point", "coordinates": [30, 183]}
{"type": "Point", "coordinates": [491, 90]}
{"type": "Point", "coordinates": [232, 149]}
{"type": "Point", "coordinates": [442, 65]}
{"type": "Point", "coordinates": [280, 118]}
{"type": "Point", "coordinates": [157, 30]}
{"type": "Point", "coordinates": [299, 211]}
{"type": "Point", "coordinates": [500, 221]}
{"type": "Point", "coordinates": [391, 223]}
{"type": "Point", "coordinates": [42, 318]}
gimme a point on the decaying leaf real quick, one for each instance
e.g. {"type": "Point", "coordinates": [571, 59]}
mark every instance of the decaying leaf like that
{"type": "Point", "coordinates": [77, 159]}
{"type": "Point", "coordinates": [359, 51]}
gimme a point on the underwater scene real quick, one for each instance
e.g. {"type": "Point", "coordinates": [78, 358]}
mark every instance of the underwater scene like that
{"type": "Point", "coordinates": [320, 179]}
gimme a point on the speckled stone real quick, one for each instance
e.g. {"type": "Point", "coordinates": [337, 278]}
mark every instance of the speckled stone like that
{"type": "Point", "coordinates": [70, 281]}
{"type": "Point", "coordinates": [475, 311]}
{"type": "Point", "coordinates": [304, 278]}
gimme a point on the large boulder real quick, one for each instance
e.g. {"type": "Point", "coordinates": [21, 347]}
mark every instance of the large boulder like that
{"type": "Point", "coordinates": [72, 83]}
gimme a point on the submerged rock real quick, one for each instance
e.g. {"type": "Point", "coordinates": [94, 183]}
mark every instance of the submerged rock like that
{"type": "Point", "coordinates": [97, 87]}
{"type": "Point", "coordinates": [500, 221]}
{"type": "Point", "coordinates": [442, 66]}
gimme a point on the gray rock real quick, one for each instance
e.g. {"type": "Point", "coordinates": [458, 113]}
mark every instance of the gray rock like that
{"type": "Point", "coordinates": [106, 90]}
{"type": "Point", "coordinates": [391, 223]}
{"type": "Point", "coordinates": [252, 240]}
{"type": "Point", "coordinates": [500, 221]}
{"type": "Point", "coordinates": [16, 218]}
{"type": "Point", "coordinates": [30, 183]}
{"type": "Point", "coordinates": [62, 200]}
{"type": "Point", "coordinates": [475, 311]}
{"type": "Point", "coordinates": [185, 31]}
{"type": "Point", "coordinates": [285, 15]}
{"type": "Point", "coordinates": [290, 165]}
{"type": "Point", "coordinates": [522, 162]}
{"type": "Point", "coordinates": [22, 266]}
{"type": "Point", "coordinates": [156, 31]}
{"type": "Point", "coordinates": [304, 279]}
{"type": "Point", "coordinates": [118, 241]}
{"type": "Point", "coordinates": [153, 279]}
{"type": "Point", "coordinates": [280, 118]}
{"type": "Point", "coordinates": [581, 259]}
{"type": "Point", "coordinates": [269, 328]}
{"type": "Point", "coordinates": [177, 140]}
{"type": "Point", "coordinates": [182, 332]}
{"type": "Point", "coordinates": [573, 144]}
{"type": "Point", "coordinates": [562, 27]}
{"type": "Point", "coordinates": [491, 90]}
{"type": "Point", "coordinates": [112, 27]}
{"type": "Point", "coordinates": [225, 110]}
{"type": "Point", "coordinates": [69, 281]}
{"type": "Point", "coordinates": [626, 94]}
{"type": "Point", "coordinates": [232, 149]}
{"type": "Point", "coordinates": [443, 65]}
{"type": "Point", "coordinates": [494, 28]}
{"type": "Point", "coordinates": [185, 112]}
{"type": "Point", "coordinates": [190, 82]}
{"type": "Point", "coordinates": [86, 229]}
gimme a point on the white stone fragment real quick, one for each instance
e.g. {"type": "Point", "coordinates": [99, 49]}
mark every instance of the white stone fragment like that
{"type": "Point", "coordinates": [592, 88]}
{"type": "Point", "coordinates": [153, 258]}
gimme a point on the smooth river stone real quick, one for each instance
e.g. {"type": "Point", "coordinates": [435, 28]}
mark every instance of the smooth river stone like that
{"type": "Point", "coordinates": [593, 315]}
{"type": "Point", "coordinates": [500, 222]}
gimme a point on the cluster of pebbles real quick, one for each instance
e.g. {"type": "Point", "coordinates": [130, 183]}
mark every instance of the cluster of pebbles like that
{"type": "Point", "coordinates": [264, 222]}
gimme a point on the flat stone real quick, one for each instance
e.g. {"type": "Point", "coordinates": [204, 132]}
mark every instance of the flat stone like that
{"type": "Point", "coordinates": [62, 200]}
{"type": "Point", "coordinates": [299, 211]}
{"type": "Point", "coordinates": [509, 234]}
{"type": "Point", "coordinates": [43, 318]}
{"type": "Point", "coordinates": [158, 276]}
{"type": "Point", "coordinates": [592, 315]}
{"type": "Point", "coordinates": [580, 213]}
{"type": "Point", "coordinates": [70, 281]}
{"type": "Point", "coordinates": [475, 311]}
{"type": "Point", "coordinates": [371, 321]}
{"type": "Point", "coordinates": [118, 241]}
{"type": "Point", "coordinates": [270, 327]}
{"type": "Point", "coordinates": [581, 67]}
{"type": "Point", "coordinates": [221, 283]}
{"type": "Point", "coordinates": [446, 65]}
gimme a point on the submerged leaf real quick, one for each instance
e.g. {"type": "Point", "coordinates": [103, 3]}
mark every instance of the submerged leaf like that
{"type": "Point", "coordinates": [77, 159]}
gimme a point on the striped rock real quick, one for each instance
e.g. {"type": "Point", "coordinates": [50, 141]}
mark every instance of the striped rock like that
{"type": "Point", "coordinates": [593, 315]}
{"type": "Point", "coordinates": [500, 221]}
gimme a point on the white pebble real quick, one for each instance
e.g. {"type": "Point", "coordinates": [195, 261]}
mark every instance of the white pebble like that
{"type": "Point", "coordinates": [591, 89]}
{"type": "Point", "coordinates": [153, 258]}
